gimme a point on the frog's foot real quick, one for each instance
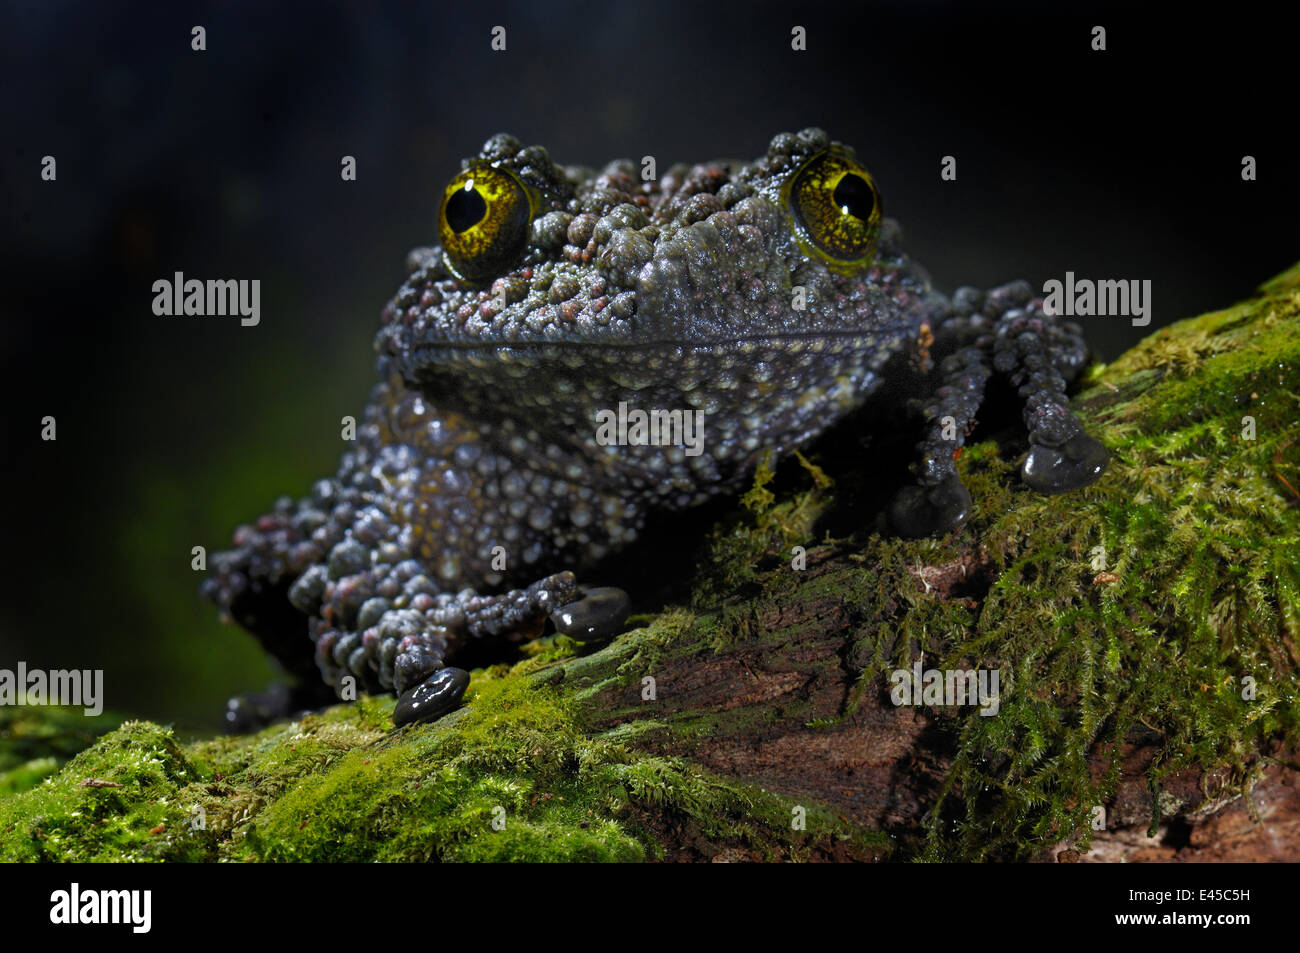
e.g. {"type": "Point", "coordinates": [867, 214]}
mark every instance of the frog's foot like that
{"type": "Point", "coordinates": [922, 510]}
{"type": "Point", "coordinates": [434, 697]}
{"type": "Point", "coordinates": [279, 701]}
{"type": "Point", "coordinates": [1004, 331]}
{"type": "Point", "coordinates": [939, 501]}
{"type": "Point", "coordinates": [387, 628]}
{"type": "Point", "coordinates": [587, 615]}
{"type": "Point", "coordinates": [428, 688]}
{"type": "Point", "coordinates": [596, 616]}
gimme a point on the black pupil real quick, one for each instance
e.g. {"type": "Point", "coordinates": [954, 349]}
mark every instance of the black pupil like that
{"type": "Point", "coordinates": [465, 209]}
{"type": "Point", "coordinates": [854, 195]}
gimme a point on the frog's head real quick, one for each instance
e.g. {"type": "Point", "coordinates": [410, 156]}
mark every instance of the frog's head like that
{"type": "Point", "coordinates": [734, 288]}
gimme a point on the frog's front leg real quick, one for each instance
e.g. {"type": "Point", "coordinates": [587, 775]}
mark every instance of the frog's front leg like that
{"type": "Point", "coordinates": [1007, 332]}
{"type": "Point", "coordinates": [428, 688]}
{"type": "Point", "coordinates": [407, 650]}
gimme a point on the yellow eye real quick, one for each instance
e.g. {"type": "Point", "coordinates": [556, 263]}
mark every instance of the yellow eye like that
{"type": "Point", "coordinates": [838, 207]}
{"type": "Point", "coordinates": [483, 221]}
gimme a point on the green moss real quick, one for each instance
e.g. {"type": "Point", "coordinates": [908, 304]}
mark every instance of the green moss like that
{"type": "Point", "coordinates": [116, 800]}
{"type": "Point", "coordinates": [1166, 598]}
{"type": "Point", "coordinates": [1191, 634]}
{"type": "Point", "coordinates": [761, 534]}
{"type": "Point", "coordinates": [36, 740]}
{"type": "Point", "coordinates": [512, 776]}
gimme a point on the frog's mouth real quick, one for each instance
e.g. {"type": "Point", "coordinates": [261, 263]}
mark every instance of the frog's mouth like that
{"type": "Point", "coordinates": [789, 343]}
{"type": "Point", "coordinates": [436, 343]}
{"type": "Point", "coordinates": [752, 372]}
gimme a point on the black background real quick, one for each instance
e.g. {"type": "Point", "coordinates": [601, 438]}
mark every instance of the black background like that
{"type": "Point", "coordinates": [1081, 900]}
{"type": "Point", "coordinates": [225, 163]}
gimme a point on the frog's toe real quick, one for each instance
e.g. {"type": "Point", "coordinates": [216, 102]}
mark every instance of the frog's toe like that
{"type": "Point", "coordinates": [930, 510]}
{"type": "Point", "coordinates": [939, 502]}
{"type": "Point", "coordinates": [1007, 331]}
{"type": "Point", "coordinates": [434, 697]}
{"type": "Point", "coordinates": [256, 710]}
{"type": "Point", "coordinates": [1076, 463]}
{"type": "Point", "coordinates": [595, 617]}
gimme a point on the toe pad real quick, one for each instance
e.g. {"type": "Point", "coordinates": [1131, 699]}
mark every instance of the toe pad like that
{"type": "Point", "coordinates": [432, 698]}
{"type": "Point", "coordinates": [1076, 463]}
{"type": "Point", "coordinates": [596, 617]}
{"type": "Point", "coordinates": [930, 510]}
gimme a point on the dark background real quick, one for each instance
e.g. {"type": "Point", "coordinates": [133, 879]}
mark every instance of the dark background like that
{"type": "Point", "coordinates": [1122, 164]}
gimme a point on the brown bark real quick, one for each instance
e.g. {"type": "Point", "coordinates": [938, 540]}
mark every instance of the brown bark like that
{"type": "Point", "coordinates": [881, 767]}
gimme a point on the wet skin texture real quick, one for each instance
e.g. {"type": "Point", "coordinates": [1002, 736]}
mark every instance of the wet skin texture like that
{"type": "Point", "coordinates": [559, 292]}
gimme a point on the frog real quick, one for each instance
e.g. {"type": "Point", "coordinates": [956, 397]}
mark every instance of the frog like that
{"type": "Point", "coordinates": [768, 298]}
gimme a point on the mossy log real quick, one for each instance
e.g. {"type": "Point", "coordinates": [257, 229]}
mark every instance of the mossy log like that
{"type": "Point", "coordinates": [1144, 630]}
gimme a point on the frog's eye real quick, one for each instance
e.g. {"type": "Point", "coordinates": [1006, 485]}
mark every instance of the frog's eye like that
{"type": "Point", "coordinates": [837, 205]}
{"type": "Point", "coordinates": [483, 221]}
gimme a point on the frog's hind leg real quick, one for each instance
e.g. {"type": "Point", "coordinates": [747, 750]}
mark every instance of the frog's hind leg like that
{"type": "Point", "coordinates": [1005, 331]}
{"type": "Point", "coordinates": [250, 585]}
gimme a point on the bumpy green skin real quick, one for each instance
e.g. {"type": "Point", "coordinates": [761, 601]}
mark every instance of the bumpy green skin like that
{"type": "Point", "coordinates": [674, 294]}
